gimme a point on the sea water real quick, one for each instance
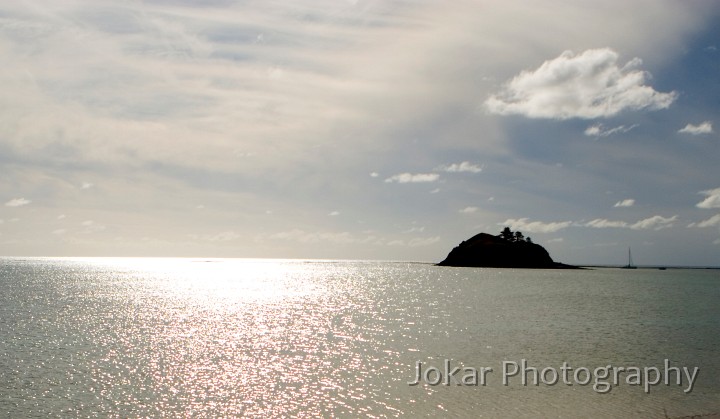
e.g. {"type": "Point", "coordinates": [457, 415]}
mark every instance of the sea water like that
{"type": "Point", "coordinates": [305, 338]}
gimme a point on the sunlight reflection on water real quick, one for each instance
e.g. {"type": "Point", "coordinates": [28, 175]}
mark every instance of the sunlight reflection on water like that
{"type": "Point", "coordinates": [236, 337]}
{"type": "Point", "coordinates": [213, 337]}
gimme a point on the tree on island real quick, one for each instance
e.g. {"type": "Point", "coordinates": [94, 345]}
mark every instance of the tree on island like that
{"type": "Point", "coordinates": [507, 234]}
{"type": "Point", "coordinates": [514, 237]}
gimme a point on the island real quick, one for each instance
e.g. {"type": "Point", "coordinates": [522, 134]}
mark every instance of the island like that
{"type": "Point", "coordinates": [506, 250]}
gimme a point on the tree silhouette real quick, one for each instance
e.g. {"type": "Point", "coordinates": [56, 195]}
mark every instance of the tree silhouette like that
{"type": "Point", "coordinates": [507, 234]}
{"type": "Point", "coordinates": [515, 237]}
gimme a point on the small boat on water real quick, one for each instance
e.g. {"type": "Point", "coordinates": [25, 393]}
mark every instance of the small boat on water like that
{"type": "Point", "coordinates": [630, 264]}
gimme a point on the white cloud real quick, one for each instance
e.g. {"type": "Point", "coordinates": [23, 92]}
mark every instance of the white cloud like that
{"type": "Point", "coordinates": [594, 130]}
{"type": "Point", "coordinates": [224, 236]}
{"type": "Point", "coordinates": [713, 221]}
{"type": "Point", "coordinates": [703, 128]}
{"type": "Point", "coordinates": [468, 210]}
{"type": "Point", "coordinates": [17, 202]}
{"type": "Point", "coordinates": [416, 242]}
{"type": "Point", "coordinates": [599, 130]}
{"type": "Point", "coordinates": [426, 241]}
{"type": "Point", "coordinates": [655, 222]}
{"type": "Point", "coordinates": [374, 174]}
{"type": "Point", "coordinates": [344, 237]}
{"type": "Point", "coordinates": [624, 203]}
{"type": "Point", "coordinates": [712, 200]}
{"type": "Point", "coordinates": [588, 85]}
{"type": "Point", "coordinates": [306, 237]}
{"type": "Point", "coordinates": [334, 213]}
{"type": "Point", "coordinates": [460, 167]}
{"type": "Point", "coordinates": [91, 226]}
{"type": "Point", "coordinates": [86, 185]}
{"type": "Point", "coordinates": [413, 178]}
{"type": "Point", "coordinates": [603, 223]}
{"type": "Point", "coordinates": [434, 191]}
{"type": "Point", "coordinates": [535, 226]}
{"type": "Point", "coordinates": [414, 230]}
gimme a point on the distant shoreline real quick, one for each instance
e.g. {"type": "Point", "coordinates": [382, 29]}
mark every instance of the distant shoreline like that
{"type": "Point", "coordinates": [658, 267]}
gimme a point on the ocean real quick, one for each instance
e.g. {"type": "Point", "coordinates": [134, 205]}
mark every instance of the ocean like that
{"type": "Point", "coordinates": [124, 337]}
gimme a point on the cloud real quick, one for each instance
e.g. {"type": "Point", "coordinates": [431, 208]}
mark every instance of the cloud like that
{"type": "Point", "coordinates": [86, 185]}
{"type": "Point", "coordinates": [535, 226]}
{"type": "Point", "coordinates": [90, 226]}
{"type": "Point", "coordinates": [334, 213]}
{"type": "Point", "coordinates": [599, 130]}
{"type": "Point", "coordinates": [413, 178]}
{"type": "Point", "coordinates": [713, 221]}
{"type": "Point", "coordinates": [426, 241]}
{"type": "Point", "coordinates": [344, 237]}
{"type": "Point", "coordinates": [588, 85]}
{"type": "Point", "coordinates": [302, 236]}
{"type": "Point", "coordinates": [416, 242]}
{"type": "Point", "coordinates": [468, 210]}
{"type": "Point", "coordinates": [603, 223]}
{"type": "Point", "coordinates": [703, 128]}
{"type": "Point", "coordinates": [712, 200]}
{"type": "Point", "coordinates": [224, 236]}
{"type": "Point", "coordinates": [624, 203]}
{"type": "Point", "coordinates": [460, 167]}
{"type": "Point", "coordinates": [374, 174]}
{"type": "Point", "coordinates": [17, 202]}
{"type": "Point", "coordinates": [414, 230]}
{"type": "Point", "coordinates": [655, 222]}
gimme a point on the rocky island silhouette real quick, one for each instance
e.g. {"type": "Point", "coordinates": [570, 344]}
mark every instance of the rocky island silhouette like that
{"type": "Point", "coordinates": [506, 250]}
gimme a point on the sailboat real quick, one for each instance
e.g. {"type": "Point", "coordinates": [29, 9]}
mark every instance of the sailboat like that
{"type": "Point", "coordinates": [630, 262]}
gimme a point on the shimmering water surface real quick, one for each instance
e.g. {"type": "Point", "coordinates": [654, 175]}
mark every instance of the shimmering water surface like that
{"type": "Point", "coordinates": [284, 338]}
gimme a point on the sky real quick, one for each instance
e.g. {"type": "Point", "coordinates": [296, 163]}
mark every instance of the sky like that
{"type": "Point", "coordinates": [352, 129]}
